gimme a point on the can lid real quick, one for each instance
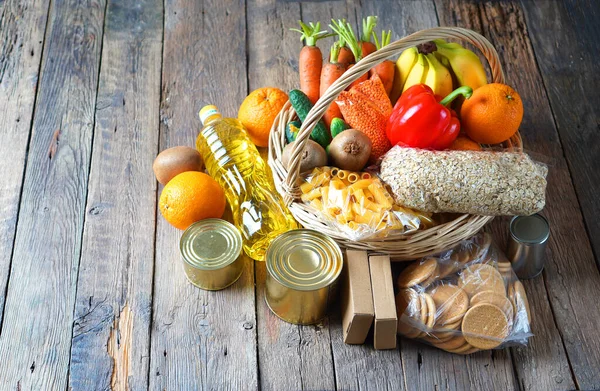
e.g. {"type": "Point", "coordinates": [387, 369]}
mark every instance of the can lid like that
{"type": "Point", "coordinates": [532, 229]}
{"type": "Point", "coordinates": [210, 244]}
{"type": "Point", "coordinates": [304, 259]}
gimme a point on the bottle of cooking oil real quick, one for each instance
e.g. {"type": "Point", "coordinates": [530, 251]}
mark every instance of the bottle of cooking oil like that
{"type": "Point", "coordinates": [233, 161]}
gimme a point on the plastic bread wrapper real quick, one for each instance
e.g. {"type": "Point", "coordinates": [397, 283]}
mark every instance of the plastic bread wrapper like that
{"type": "Point", "coordinates": [357, 204]}
{"type": "Point", "coordinates": [464, 300]}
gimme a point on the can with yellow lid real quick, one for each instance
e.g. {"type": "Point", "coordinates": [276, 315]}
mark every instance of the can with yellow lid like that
{"type": "Point", "coordinates": [211, 251]}
{"type": "Point", "coordinates": [302, 268]}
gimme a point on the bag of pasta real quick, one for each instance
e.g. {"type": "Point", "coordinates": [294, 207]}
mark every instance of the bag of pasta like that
{"type": "Point", "coordinates": [464, 300]}
{"type": "Point", "coordinates": [357, 204]}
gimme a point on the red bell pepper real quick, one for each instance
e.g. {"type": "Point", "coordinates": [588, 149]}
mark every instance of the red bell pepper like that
{"type": "Point", "coordinates": [420, 121]}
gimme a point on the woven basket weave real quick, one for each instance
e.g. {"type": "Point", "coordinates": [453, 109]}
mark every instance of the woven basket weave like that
{"type": "Point", "coordinates": [399, 246]}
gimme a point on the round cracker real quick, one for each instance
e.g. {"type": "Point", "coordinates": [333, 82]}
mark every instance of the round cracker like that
{"type": "Point", "coordinates": [434, 277]}
{"type": "Point", "coordinates": [461, 257]}
{"type": "Point", "coordinates": [417, 272]}
{"type": "Point", "coordinates": [451, 303]}
{"type": "Point", "coordinates": [431, 310]}
{"type": "Point", "coordinates": [453, 343]}
{"type": "Point", "coordinates": [461, 349]}
{"type": "Point", "coordinates": [481, 277]}
{"type": "Point", "coordinates": [483, 245]}
{"type": "Point", "coordinates": [521, 299]}
{"type": "Point", "coordinates": [435, 340]}
{"type": "Point", "coordinates": [408, 303]}
{"type": "Point", "coordinates": [496, 299]}
{"type": "Point", "coordinates": [422, 316]}
{"type": "Point", "coordinates": [446, 268]}
{"type": "Point", "coordinates": [448, 330]}
{"type": "Point", "coordinates": [485, 326]}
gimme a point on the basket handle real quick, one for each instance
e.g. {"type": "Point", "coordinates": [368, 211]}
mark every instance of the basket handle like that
{"type": "Point", "coordinates": [364, 65]}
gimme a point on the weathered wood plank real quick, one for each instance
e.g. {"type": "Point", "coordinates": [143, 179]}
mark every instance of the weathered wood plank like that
{"type": "Point", "coordinates": [22, 26]}
{"type": "Point", "coordinates": [36, 333]}
{"type": "Point", "coordinates": [114, 296]}
{"type": "Point", "coordinates": [570, 272]}
{"type": "Point", "coordinates": [290, 356]}
{"type": "Point", "coordinates": [200, 339]}
{"type": "Point", "coordinates": [565, 35]}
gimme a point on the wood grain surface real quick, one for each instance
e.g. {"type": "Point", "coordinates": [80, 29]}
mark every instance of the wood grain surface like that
{"type": "Point", "coordinates": [200, 339]}
{"type": "Point", "coordinates": [22, 28]}
{"type": "Point", "coordinates": [568, 62]}
{"type": "Point", "coordinates": [111, 332]}
{"type": "Point", "coordinates": [36, 332]}
{"type": "Point", "coordinates": [92, 291]}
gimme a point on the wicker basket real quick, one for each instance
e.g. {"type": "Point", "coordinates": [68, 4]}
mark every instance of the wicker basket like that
{"type": "Point", "coordinates": [399, 246]}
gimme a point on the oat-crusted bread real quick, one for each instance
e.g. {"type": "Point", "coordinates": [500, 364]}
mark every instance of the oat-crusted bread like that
{"type": "Point", "coordinates": [474, 182]}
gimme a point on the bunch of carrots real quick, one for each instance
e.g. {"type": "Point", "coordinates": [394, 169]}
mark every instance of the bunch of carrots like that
{"type": "Point", "coordinates": [316, 77]}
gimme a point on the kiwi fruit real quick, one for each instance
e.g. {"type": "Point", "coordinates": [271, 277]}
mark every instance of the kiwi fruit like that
{"type": "Point", "coordinates": [313, 156]}
{"type": "Point", "coordinates": [350, 150]}
{"type": "Point", "coordinates": [173, 161]}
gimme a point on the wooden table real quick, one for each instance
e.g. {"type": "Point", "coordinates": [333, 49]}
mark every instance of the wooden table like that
{"type": "Point", "coordinates": [92, 294]}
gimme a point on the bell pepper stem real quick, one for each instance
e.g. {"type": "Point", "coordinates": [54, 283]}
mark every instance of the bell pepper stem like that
{"type": "Point", "coordinates": [465, 91]}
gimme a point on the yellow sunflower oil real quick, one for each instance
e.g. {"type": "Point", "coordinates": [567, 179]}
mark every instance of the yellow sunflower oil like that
{"type": "Point", "coordinates": [235, 163]}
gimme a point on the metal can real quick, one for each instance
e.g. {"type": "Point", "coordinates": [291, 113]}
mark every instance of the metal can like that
{"type": "Point", "coordinates": [211, 251]}
{"type": "Point", "coordinates": [527, 244]}
{"type": "Point", "coordinates": [302, 268]}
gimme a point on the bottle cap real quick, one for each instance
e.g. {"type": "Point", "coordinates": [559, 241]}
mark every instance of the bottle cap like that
{"type": "Point", "coordinates": [208, 111]}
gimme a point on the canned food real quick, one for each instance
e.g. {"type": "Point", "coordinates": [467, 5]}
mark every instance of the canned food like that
{"type": "Point", "coordinates": [302, 268]}
{"type": "Point", "coordinates": [211, 251]}
{"type": "Point", "coordinates": [527, 245]}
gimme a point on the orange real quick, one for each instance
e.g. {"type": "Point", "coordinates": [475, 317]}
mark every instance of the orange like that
{"type": "Point", "coordinates": [189, 197]}
{"type": "Point", "coordinates": [463, 143]}
{"type": "Point", "coordinates": [493, 114]}
{"type": "Point", "coordinates": [258, 111]}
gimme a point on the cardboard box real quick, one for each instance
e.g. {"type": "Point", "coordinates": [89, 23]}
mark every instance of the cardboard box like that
{"type": "Point", "coordinates": [357, 299]}
{"type": "Point", "coordinates": [386, 319]}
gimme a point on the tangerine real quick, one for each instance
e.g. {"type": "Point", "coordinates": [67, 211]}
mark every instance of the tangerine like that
{"type": "Point", "coordinates": [463, 143]}
{"type": "Point", "coordinates": [493, 114]}
{"type": "Point", "coordinates": [189, 197]}
{"type": "Point", "coordinates": [258, 111]}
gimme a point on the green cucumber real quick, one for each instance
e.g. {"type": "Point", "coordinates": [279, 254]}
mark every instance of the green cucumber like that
{"type": "Point", "coordinates": [338, 126]}
{"type": "Point", "coordinates": [302, 105]}
{"type": "Point", "coordinates": [291, 130]}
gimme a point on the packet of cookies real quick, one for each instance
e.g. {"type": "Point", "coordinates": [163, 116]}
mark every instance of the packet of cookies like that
{"type": "Point", "coordinates": [357, 204]}
{"type": "Point", "coordinates": [464, 300]}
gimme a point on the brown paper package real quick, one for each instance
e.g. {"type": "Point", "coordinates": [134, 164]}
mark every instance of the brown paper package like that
{"type": "Point", "coordinates": [357, 299]}
{"type": "Point", "coordinates": [386, 319]}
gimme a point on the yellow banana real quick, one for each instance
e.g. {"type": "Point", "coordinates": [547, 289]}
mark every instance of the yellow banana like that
{"type": "Point", "coordinates": [418, 73]}
{"type": "Point", "coordinates": [405, 63]}
{"type": "Point", "coordinates": [438, 77]}
{"type": "Point", "coordinates": [465, 64]}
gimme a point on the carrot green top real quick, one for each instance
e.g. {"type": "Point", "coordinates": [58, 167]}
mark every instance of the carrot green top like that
{"type": "Point", "coordinates": [345, 32]}
{"type": "Point", "coordinates": [311, 33]}
{"type": "Point", "coordinates": [368, 25]}
{"type": "Point", "coordinates": [385, 39]}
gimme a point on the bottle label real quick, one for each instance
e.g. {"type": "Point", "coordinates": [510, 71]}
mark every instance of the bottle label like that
{"type": "Point", "coordinates": [207, 112]}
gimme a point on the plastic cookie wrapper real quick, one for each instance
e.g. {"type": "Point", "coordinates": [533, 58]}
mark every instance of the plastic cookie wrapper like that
{"type": "Point", "coordinates": [464, 300]}
{"type": "Point", "coordinates": [357, 204]}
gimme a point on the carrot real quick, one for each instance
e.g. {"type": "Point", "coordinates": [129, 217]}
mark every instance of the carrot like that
{"type": "Point", "coordinates": [345, 32]}
{"type": "Point", "coordinates": [329, 74]}
{"type": "Point", "coordinates": [387, 69]}
{"type": "Point", "coordinates": [310, 60]}
{"type": "Point", "coordinates": [345, 57]}
{"type": "Point", "coordinates": [368, 25]}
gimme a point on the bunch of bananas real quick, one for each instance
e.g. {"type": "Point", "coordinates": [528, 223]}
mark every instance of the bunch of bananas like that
{"type": "Point", "coordinates": [434, 64]}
